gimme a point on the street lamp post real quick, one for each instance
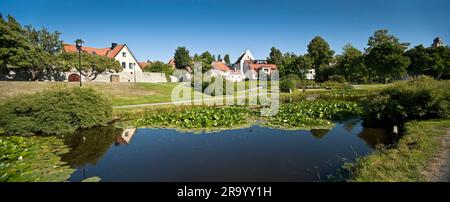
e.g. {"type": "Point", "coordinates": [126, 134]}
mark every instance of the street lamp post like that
{"type": "Point", "coordinates": [79, 44]}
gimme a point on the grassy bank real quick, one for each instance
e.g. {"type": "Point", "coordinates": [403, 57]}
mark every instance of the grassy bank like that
{"type": "Point", "coordinates": [408, 160]}
{"type": "Point", "coordinates": [120, 93]}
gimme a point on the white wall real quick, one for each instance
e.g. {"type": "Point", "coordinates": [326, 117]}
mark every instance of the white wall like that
{"type": "Point", "coordinates": [127, 77]}
{"type": "Point", "coordinates": [127, 59]}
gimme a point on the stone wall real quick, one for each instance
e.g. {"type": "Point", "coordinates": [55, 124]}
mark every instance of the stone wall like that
{"type": "Point", "coordinates": [148, 77]}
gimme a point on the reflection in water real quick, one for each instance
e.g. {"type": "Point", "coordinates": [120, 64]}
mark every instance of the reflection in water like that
{"type": "Point", "coordinates": [350, 124]}
{"type": "Point", "coordinates": [88, 146]}
{"type": "Point", "coordinates": [125, 137]}
{"type": "Point", "coordinates": [319, 133]}
{"type": "Point", "coordinates": [248, 154]}
{"type": "Point", "coordinates": [375, 136]}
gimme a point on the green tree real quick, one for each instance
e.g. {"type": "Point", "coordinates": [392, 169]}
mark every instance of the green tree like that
{"type": "Point", "coordinates": [383, 38]}
{"type": "Point", "coordinates": [14, 46]}
{"type": "Point", "coordinates": [219, 58]}
{"type": "Point", "coordinates": [420, 60]}
{"type": "Point", "coordinates": [91, 65]}
{"type": "Point", "coordinates": [158, 66]}
{"type": "Point", "coordinates": [350, 64]}
{"type": "Point", "coordinates": [320, 53]}
{"type": "Point", "coordinates": [161, 67]}
{"type": "Point", "coordinates": [50, 42]}
{"type": "Point", "coordinates": [47, 45]}
{"type": "Point", "coordinates": [287, 65]}
{"type": "Point", "coordinates": [227, 59]}
{"type": "Point", "coordinates": [28, 48]}
{"type": "Point", "coordinates": [182, 58]}
{"type": "Point", "coordinates": [303, 64]}
{"type": "Point", "coordinates": [206, 59]}
{"type": "Point", "coordinates": [275, 56]}
{"type": "Point", "coordinates": [440, 61]}
{"type": "Point", "coordinates": [387, 60]}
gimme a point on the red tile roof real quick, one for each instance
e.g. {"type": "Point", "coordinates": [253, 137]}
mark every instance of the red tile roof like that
{"type": "Point", "coordinates": [255, 65]}
{"type": "Point", "coordinates": [108, 52]}
{"type": "Point", "coordinates": [220, 66]}
{"type": "Point", "coordinates": [259, 66]}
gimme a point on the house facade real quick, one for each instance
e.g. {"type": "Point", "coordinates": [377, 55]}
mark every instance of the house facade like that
{"type": "Point", "coordinates": [310, 74]}
{"type": "Point", "coordinates": [250, 67]}
{"type": "Point", "coordinates": [131, 69]}
{"type": "Point", "coordinates": [119, 52]}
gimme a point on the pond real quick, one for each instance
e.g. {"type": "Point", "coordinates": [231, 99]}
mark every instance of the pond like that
{"type": "Point", "coordinates": [249, 154]}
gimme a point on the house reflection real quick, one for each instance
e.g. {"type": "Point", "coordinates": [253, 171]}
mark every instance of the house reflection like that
{"type": "Point", "coordinates": [125, 137]}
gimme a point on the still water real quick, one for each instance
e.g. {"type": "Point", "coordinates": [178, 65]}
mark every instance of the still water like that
{"type": "Point", "coordinates": [249, 154]}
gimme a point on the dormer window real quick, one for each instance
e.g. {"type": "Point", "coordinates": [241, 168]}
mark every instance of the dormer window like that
{"type": "Point", "coordinates": [124, 54]}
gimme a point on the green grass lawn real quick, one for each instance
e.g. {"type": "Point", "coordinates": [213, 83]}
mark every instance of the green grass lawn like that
{"type": "Point", "coordinates": [120, 93]}
{"type": "Point", "coordinates": [377, 86]}
{"type": "Point", "coordinates": [407, 161]}
{"type": "Point", "coordinates": [126, 93]}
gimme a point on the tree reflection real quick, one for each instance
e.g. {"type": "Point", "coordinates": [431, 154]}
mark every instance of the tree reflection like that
{"type": "Point", "coordinates": [374, 136]}
{"type": "Point", "coordinates": [350, 124]}
{"type": "Point", "coordinates": [88, 146]}
{"type": "Point", "coordinates": [319, 133]}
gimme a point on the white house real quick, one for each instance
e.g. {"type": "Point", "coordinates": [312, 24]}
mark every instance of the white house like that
{"type": "Point", "coordinates": [131, 69]}
{"type": "Point", "coordinates": [239, 64]}
{"type": "Point", "coordinates": [310, 74]}
{"type": "Point", "coordinates": [119, 52]}
{"type": "Point", "coordinates": [248, 66]}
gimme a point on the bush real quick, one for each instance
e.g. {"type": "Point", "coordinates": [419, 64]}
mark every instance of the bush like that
{"type": "Point", "coordinates": [417, 99]}
{"type": "Point", "coordinates": [286, 85]}
{"type": "Point", "coordinates": [209, 87]}
{"type": "Point", "coordinates": [336, 85]}
{"type": "Point", "coordinates": [56, 111]}
{"type": "Point", "coordinates": [337, 78]}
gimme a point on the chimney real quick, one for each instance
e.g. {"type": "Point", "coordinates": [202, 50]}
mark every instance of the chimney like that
{"type": "Point", "coordinates": [113, 45]}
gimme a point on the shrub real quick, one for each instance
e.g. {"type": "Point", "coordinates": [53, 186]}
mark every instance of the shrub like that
{"type": "Point", "coordinates": [209, 86]}
{"type": "Point", "coordinates": [337, 78]}
{"type": "Point", "coordinates": [286, 85]}
{"type": "Point", "coordinates": [56, 111]}
{"type": "Point", "coordinates": [415, 99]}
{"type": "Point", "coordinates": [336, 85]}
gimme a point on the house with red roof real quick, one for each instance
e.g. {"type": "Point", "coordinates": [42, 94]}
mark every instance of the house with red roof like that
{"type": "Point", "coordinates": [131, 68]}
{"type": "Point", "coordinates": [119, 52]}
{"type": "Point", "coordinates": [247, 65]}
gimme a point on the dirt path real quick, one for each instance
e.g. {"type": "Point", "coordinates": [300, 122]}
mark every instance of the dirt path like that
{"type": "Point", "coordinates": [439, 168]}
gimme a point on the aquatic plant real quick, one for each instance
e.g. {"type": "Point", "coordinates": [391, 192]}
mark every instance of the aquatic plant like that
{"type": "Point", "coordinates": [314, 113]}
{"type": "Point", "coordinates": [202, 117]}
{"type": "Point", "coordinates": [33, 159]}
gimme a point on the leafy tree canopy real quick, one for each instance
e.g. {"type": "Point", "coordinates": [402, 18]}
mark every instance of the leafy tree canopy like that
{"type": "Point", "coordinates": [182, 58]}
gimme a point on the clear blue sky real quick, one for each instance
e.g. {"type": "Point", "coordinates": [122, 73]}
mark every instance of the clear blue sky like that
{"type": "Point", "coordinates": [153, 29]}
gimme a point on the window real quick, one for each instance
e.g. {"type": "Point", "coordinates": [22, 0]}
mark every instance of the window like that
{"type": "Point", "coordinates": [124, 54]}
{"type": "Point", "coordinates": [124, 65]}
{"type": "Point", "coordinates": [131, 65]}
